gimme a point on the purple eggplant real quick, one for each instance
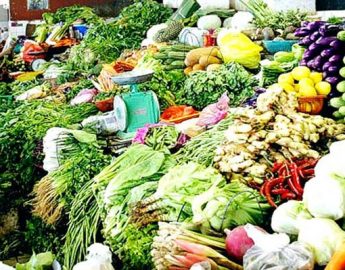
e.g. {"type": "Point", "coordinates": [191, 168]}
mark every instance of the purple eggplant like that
{"type": "Point", "coordinates": [324, 41]}
{"type": "Point", "coordinates": [333, 80]}
{"type": "Point", "coordinates": [324, 74]}
{"type": "Point", "coordinates": [306, 41]}
{"type": "Point", "coordinates": [313, 26]}
{"type": "Point", "coordinates": [315, 36]}
{"type": "Point", "coordinates": [302, 32]}
{"type": "Point", "coordinates": [319, 61]}
{"type": "Point", "coordinates": [337, 45]}
{"type": "Point", "coordinates": [315, 48]}
{"type": "Point", "coordinates": [336, 58]}
{"type": "Point", "coordinates": [328, 30]}
{"type": "Point", "coordinates": [333, 70]}
{"type": "Point", "coordinates": [328, 53]}
{"type": "Point", "coordinates": [311, 64]}
{"type": "Point", "coordinates": [305, 23]}
{"type": "Point", "coordinates": [326, 66]}
{"type": "Point", "coordinates": [309, 54]}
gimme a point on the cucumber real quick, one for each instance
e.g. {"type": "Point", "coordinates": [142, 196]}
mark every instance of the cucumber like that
{"type": "Point", "coordinates": [177, 55]}
{"type": "Point", "coordinates": [169, 61]}
{"type": "Point", "coordinates": [172, 67]}
{"type": "Point", "coordinates": [182, 48]}
{"type": "Point", "coordinates": [178, 63]}
{"type": "Point", "coordinates": [161, 56]}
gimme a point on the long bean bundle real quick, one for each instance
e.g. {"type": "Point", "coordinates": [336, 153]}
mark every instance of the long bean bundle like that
{"type": "Point", "coordinates": [84, 223]}
{"type": "Point", "coordinates": [201, 149]}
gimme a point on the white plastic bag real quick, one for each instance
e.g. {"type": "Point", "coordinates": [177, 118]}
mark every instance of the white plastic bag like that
{"type": "Point", "coordinates": [192, 36]}
{"type": "Point", "coordinates": [104, 124]}
{"type": "Point", "coordinates": [98, 258]}
{"type": "Point", "coordinates": [296, 256]}
{"type": "Point", "coordinates": [221, 4]}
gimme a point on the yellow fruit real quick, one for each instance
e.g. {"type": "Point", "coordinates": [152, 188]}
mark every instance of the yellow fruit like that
{"type": "Point", "coordinates": [298, 73]}
{"type": "Point", "coordinates": [323, 88]}
{"type": "Point", "coordinates": [316, 77]}
{"type": "Point", "coordinates": [287, 87]}
{"type": "Point", "coordinates": [306, 82]}
{"type": "Point", "coordinates": [286, 78]}
{"type": "Point", "coordinates": [307, 91]}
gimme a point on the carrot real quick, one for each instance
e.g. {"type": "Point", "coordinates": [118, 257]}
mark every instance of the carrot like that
{"type": "Point", "coordinates": [337, 261]}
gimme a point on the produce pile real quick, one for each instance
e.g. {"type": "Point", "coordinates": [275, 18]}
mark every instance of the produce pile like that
{"type": "Point", "coordinates": [243, 169]}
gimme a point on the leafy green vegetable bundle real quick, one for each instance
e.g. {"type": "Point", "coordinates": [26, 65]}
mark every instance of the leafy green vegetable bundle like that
{"type": "Point", "coordinates": [21, 131]}
{"type": "Point", "coordinates": [265, 17]}
{"type": "Point", "coordinates": [130, 178]}
{"type": "Point", "coordinates": [201, 149]}
{"type": "Point", "coordinates": [108, 40]}
{"type": "Point", "coordinates": [56, 191]}
{"type": "Point", "coordinates": [175, 192]}
{"type": "Point", "coordinates": [167, 85]}
{"type": "Point", "coordinates": [71, 14]}
{"type": "Point", "coordinates": [227, 207]}
{"type": "Point", "coordinates": [204, 88]}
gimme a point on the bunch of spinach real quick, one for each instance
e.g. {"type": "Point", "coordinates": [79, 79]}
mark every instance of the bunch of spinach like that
{"type": "Point", "coordinates": [204, 88]}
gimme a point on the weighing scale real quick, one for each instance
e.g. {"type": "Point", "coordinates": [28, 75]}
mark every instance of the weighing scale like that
{"type": "Point", "coordinates": [135, 109]}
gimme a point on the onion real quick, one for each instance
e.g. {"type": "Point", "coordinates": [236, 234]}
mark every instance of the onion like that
{"type": "Point", "coordinates": [237, 242]}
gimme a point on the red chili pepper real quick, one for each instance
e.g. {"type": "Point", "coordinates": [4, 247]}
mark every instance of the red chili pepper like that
{"type": "Point", "coordinates": [291, 186]}
{"type": "Point", "coordinates": [309, 172]}
{"type": "Point", "coordinates": [268, 188]}
{"type": "Point", "coordinates": [295, 179]}
{"type": "Point", "coordinates": [279, 191]}
{"type": "Point", "coordinates": [288, 196]}
{"type": "Point", "coordinates": [277, 166]}
{"type": "Point", "coordinates": [309, 163]}
{"type": "Point", "coordinates": [300, 172]}
{"type": "Point", "coordinates": [283, 170]}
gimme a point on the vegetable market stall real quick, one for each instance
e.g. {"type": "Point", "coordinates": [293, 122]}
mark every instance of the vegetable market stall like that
{"type": "Point", "coordinates": [235, 158]}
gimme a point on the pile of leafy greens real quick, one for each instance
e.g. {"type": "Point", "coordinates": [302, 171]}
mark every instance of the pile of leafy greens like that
{"type": "Point", "coordinates": [71, 14]}
{"type": "Point", "coordinates": [167, 85]}
{"type": "Point", "coordinates": [21, 130]}
{"type": "Point", "coordinates": [204, 88]}
{"type": "Point", "coordinates": [108, 40]}
{"type": "Point", "coordinates": [130, 178]}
